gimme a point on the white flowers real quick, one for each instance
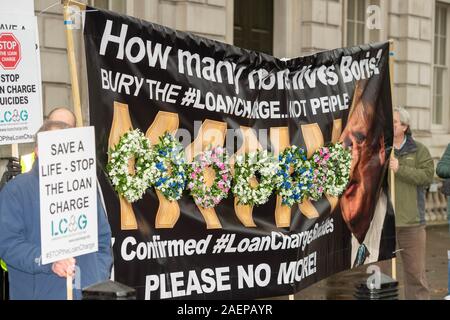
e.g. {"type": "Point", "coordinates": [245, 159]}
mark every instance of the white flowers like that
{"type": "Point", "coordinates": [339, 165]}
{"type": "Point", "coordinates": [293, 188]}
{"type": "Point", "coordinates": [169, 166]}
{"type": "Point", "coordinates": [132, 144]}
{"type": "Point", "coordinates": [252, 165]}
{"type": "Point", "coordinates": [208, 196]}
{"type": "Point", "coordinates": [257, 174]}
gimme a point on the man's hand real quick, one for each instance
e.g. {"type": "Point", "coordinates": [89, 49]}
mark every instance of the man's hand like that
{"type": "Point", "coordinates": [393, 164]}
{"type": "Point", "coordinates": [64, 268]}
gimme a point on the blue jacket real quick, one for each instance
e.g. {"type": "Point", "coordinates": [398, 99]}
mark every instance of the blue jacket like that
{"type": "Point", "coordinates": [20, 245]}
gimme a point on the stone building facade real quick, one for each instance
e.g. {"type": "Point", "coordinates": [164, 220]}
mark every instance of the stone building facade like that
{"type": "Point", "coordinates": [289, 28]}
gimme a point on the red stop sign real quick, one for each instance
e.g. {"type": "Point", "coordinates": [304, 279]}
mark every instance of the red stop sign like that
{"type": "Point", "coordinates": [9, 51]}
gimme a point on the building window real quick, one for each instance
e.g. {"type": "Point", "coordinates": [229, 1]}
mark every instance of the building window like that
{"type": "Point", "coordinates": [356, 32]}
{"type": "Point", "coordinates": [356, 22]}
{"type": "Point", "coordinates": [440, 65]}
{"type": "Point", "coordinates": [253, 25]}
{"type": "Point", "coordinates": [118, 6]}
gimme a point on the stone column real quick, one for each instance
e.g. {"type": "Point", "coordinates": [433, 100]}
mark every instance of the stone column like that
{"type": "Point", "coordinates": [411, 28]}
{"type": "Point", "coordinates": [321, 25]}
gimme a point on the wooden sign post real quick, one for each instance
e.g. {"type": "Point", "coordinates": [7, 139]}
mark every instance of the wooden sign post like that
{"type": "Point", "coordinates": [392, 182]}
{"type": "Point", "coordinates": [75, 86]}
{"type": "Point", "coordinates": [71, 58]}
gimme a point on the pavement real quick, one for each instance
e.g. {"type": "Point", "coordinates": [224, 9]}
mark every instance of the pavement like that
{"type": "Point", "coordinates": [341, 286]}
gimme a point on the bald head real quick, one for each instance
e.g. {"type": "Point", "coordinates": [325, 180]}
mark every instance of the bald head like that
{"type": "Point", "coordinates": [63, 115]}
{"type": "Point", "coordinates": [50, 125]}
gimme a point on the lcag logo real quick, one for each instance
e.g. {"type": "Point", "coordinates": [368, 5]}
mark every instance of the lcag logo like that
{"type": "Point", "coordinates": [14, 116]}
{"type": "Point", "coordinates": [70, 225]}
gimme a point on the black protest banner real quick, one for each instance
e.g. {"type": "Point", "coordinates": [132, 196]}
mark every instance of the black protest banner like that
{"type": "Point", "coordinates": [210, 94]}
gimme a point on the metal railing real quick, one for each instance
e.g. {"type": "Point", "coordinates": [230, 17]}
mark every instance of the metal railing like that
{"type": "Point", "coordinates": [436, 205]}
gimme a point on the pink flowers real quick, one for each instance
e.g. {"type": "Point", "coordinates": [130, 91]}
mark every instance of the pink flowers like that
{"type": "Point", "coordinates": [209, 196]}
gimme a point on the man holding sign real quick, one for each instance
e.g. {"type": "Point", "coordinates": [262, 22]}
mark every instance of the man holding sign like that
{"type": "Point", "coordinates": [50, 215]}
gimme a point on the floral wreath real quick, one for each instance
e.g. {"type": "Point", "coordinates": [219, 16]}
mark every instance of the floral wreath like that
{"type": "Point", "coordinates": [293, 188]}
{"type": "Point", "coordinates": [169, 165]}
{"type": "Point", "coordinates": [339, 164]}
{"type": "Point", "coordinates": [209, 196]}
{"type": "Point", "coordinates": [132, 144]}
{"type": "Point", "coordinates": [246, 167]}
{"type": "Point", "coordinates": [319, 163]}
{"type": "Point", "coordinates": [164, 167]}
{"type": "Point", "coordinates": [331, 171]}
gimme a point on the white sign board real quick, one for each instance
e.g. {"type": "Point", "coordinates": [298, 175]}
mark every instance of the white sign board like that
{"type": "Point", "coordinates": [25, 7]}
{"type": "Point", "coordinates": [68, 193]}
{"type": "Point", "coordinates": [20, 79]}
